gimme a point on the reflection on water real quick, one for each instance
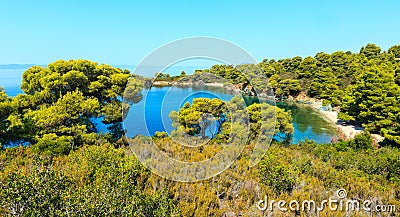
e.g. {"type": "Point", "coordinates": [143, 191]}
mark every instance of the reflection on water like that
{"type": "Point", "coordinates": [309, 124]}
{"type": "Point", "coordinates": [152, 113]}
{"type": "Point", "coordinates": [160, 101]}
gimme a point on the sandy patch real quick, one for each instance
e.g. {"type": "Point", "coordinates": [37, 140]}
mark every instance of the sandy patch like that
{"type": "Point", "coordinates": [349, 131]}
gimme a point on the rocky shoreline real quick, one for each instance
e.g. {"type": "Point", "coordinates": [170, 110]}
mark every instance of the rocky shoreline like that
{"type": "Point", "coordinates": [230, 88]}
{"type": "Point", "coordinates": [185, 84]}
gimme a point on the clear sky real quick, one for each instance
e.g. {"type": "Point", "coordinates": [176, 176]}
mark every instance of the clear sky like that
{"type": "Point", "coordinates": [123, 32]}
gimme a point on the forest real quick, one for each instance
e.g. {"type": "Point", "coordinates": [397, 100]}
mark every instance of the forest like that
{"type": "Point", "coordinates": [55, 162]}
{"type": "Point", "coordinates": [363, 86]}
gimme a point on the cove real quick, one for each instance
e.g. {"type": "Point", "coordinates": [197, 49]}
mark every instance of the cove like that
{"type": "Point", "coordinates": [151, 114]}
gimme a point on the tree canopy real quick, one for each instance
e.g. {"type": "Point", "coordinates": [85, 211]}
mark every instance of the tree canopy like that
{"type": "Point", "coordinates": [60, 104]}
{"type": "Point", "coordinates": [196, 118]}
{"type": "Point", "coordinates": [364, 85]}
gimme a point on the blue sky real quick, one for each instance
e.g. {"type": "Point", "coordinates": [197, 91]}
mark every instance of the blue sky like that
{"type": "Point", "coordinates": [123, 32]}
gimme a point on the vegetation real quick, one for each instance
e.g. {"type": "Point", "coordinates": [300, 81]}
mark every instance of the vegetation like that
{"type": "Point", "coordinates": [104, 180]}
{"type": "Point", "coordinates": [66, 167]}
{"type": "Point", "coordinates": [364, 85]}
{"type": "Point", "coordinates": [60, 103]}
{"type": "Point", "coordinates": [92, 181]}
{"type": "Point", "coordinates": [168, 78]}
{"type": "Point", "coordinates": [198, 117]}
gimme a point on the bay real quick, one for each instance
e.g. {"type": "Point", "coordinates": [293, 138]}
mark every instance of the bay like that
{"type": "Point", "coordinates": [151, 114]}
{"type": "Point", "coordinates": [308, 124]}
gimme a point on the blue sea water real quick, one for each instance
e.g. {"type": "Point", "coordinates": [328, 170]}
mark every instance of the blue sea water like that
{"type": "Point", "coordinates": [10, 80]}
{"type": "Point", "coordinates": [151, 114]}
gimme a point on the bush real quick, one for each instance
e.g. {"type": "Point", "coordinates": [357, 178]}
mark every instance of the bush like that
{"type": "Point", "coordinates": [361, 141]}
{"type": "Point", "coordinates": [279, 175]}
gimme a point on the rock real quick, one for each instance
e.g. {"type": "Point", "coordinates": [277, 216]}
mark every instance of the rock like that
{"type": "Point", "coordinates": [376, 139]}
{"type": "Point", "coordinates": [263, 95]}
{"type": "Point", "coordinates": [199, 83]}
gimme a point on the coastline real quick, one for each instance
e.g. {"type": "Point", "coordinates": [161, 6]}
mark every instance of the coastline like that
{"type": "Point", "coordinates": [345, 132]}
{"type": "Point", "coordinates": [183, 84]}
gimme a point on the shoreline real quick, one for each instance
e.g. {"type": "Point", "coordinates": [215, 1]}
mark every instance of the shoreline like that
{"type": "Point", "coordinates": [345, 132]}
{"type": "Point", "coordinates": [168, 83]}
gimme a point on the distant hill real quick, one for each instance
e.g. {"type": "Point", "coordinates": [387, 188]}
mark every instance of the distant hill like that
{"type": "Point", "coordinates": [149, 71]}
{"type": "Point", "coordinates": [18, 66]}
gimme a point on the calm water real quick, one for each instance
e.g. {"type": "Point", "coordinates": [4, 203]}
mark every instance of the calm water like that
{"type": "Point", "coordinates": [10, 80]}
{"type": "Point", "coordinates": [151, 114]}
{"type": "Point", "coordinates": [309, 124]}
